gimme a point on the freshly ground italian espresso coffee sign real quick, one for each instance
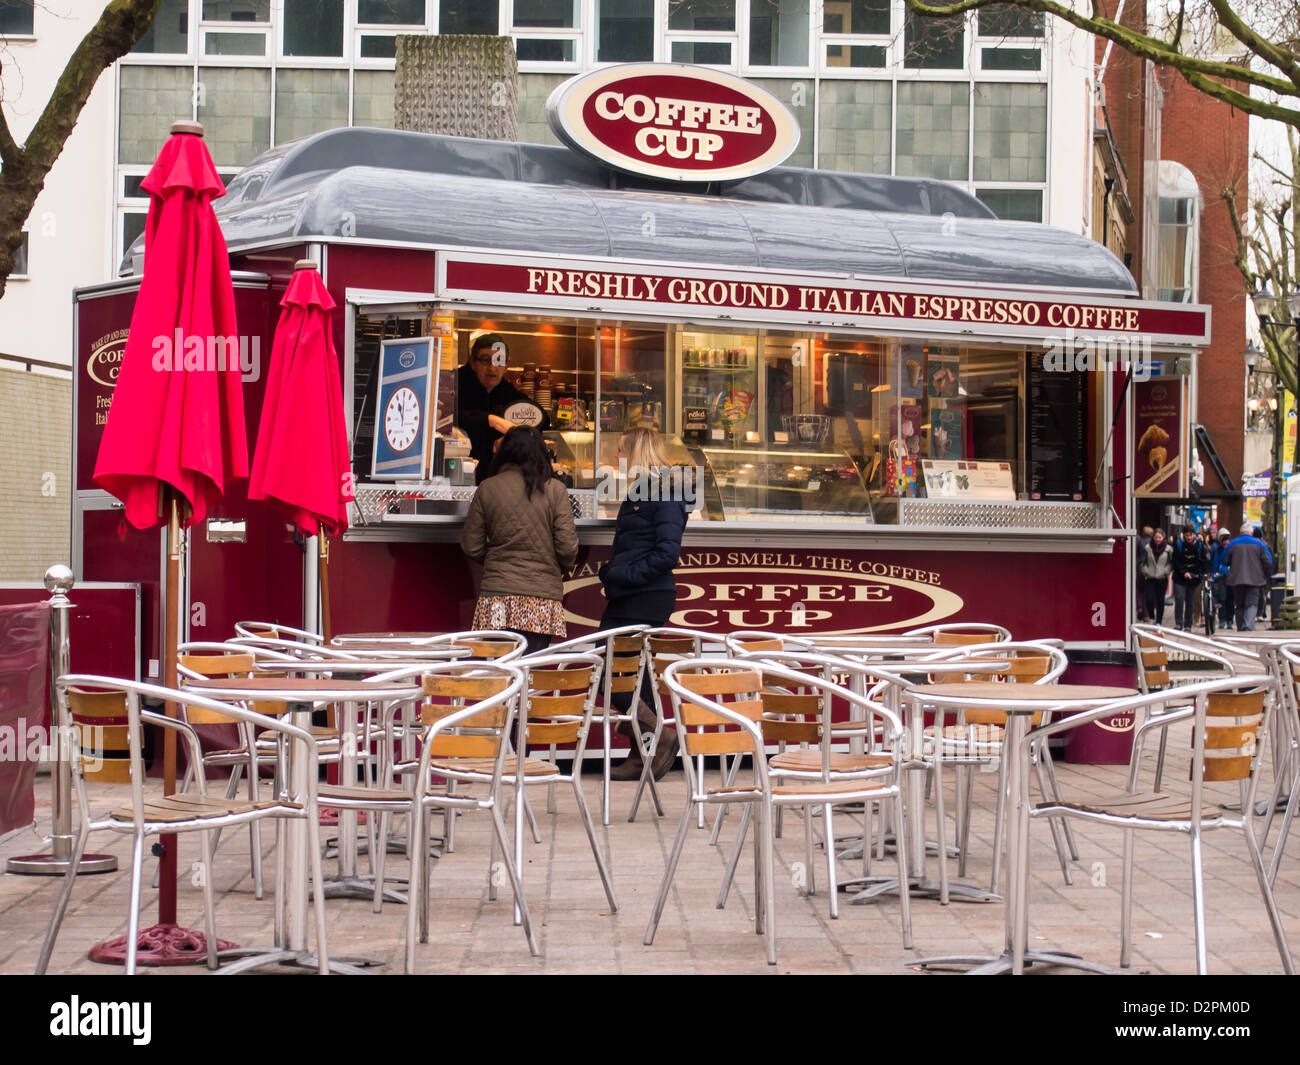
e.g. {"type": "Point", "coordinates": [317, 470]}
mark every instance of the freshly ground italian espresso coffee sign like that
{"type": "Point", "coordinates": [666, 120]}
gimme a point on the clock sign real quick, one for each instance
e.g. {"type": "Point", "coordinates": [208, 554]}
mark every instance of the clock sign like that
{"type": "Point", "coordinates": [402, 419]}
{"type": "Point", "coordinates": [406, 399]}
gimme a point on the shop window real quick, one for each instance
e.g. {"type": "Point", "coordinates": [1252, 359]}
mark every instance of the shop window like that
{"type": "Point", "coordinates": [313, 28]}
{"type": "Point", "coordinates": [390, 12]}
{"type": "Point", "coordinates": [855, 121]}
{"type": "Point", "coordinates": [20, 267]}
{"type": "Point", "coordinates": [626, 31]}
{"type": "Point", "coordinates": [778, 33]}
{"type": "Point", "coordinates": [1010, 132]}
{"type": "Point", "coordinates": [1009, 20]}
{"type": "Point", "coordinates": [546, 14]}
{"type": "Point", "coordinates": [17, 18]}
{"type": "Point", "coordinates": [372, 98]}
{"type": "Point", "coordinates": [711, 16]}
{"type": "Point", "coordinates": [856, 16]}
{"type": "Point", "coordinates": [932, 139]}
{"type": "Point", "coordinates": [546, 49]}
{"type": "Point", "coordinates": [469, 16]}
{"type": "Point", "coordinates": [377, 46]}
{"type": "Point", "coordinates": [309, 101]}
{"type": "Point", "coordinates": [934, 43]}
{"type": "Point", "coordinates": [236, 11]}
{"type": "Point", "coordinates": [1020, 205]}
{"type": "Point", "coordinates": [168, 33]}
{"type": "Point", "coordinates": [1177, 255]}
{"type": "Point", "coordinates": [235, 109]}
{"type": "Point", "coordinates": [150, 99]}
{"type": "Point", "coordinates": [132, 226]}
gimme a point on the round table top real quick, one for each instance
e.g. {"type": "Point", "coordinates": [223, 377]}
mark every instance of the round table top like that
{"type": "Point", "coordinates": [1263, 636]}
{"type": "Point", "coordinates": [291, 689]}
{"type": "Point", "coordinates": [1018, 697]}
{"type": "Point", "coordinates": [403, 650]}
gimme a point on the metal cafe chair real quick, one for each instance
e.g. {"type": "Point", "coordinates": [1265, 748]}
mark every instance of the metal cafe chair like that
{"type": "Point", "coordinates": [556, 707]}
{"type": "Point", "coordinates": [955, 634]}
{"type": "Point", "coordinates": [1286, 768]}
{"type": "Point", "coordinates": [624, 660]}
{"type": "Point", "coordinates": [745, 640]}
{"type": "Point", "coordinates": [179, 813]}
{"type": "Point", "coordinates": [720, 704]}
{"type": "Point", "coordinates": [1154, 645]}
{"type": "Point", "coordinates": [1230, 718]}
{"type": "Point", "coordinates": [664, 646]}
{"type": "Point", "coordinates": [976, 738]}
{"type": "Point", "coordinates": [275, 631]}
{"type": "Point", "coordinates": [468, 713]}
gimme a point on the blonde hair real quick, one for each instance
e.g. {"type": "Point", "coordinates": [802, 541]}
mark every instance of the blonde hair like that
{"type": "Point", "coordinates": [644, 449]}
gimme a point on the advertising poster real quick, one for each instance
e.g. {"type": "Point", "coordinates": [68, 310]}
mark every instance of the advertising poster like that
{"type": "Point", "coordinates": [1159, 426]}
{"type": "Point", "coordinates": [945, 434]}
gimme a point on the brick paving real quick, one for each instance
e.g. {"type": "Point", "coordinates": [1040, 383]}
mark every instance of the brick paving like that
{"type": "Point", "coordinates": [578, 933]}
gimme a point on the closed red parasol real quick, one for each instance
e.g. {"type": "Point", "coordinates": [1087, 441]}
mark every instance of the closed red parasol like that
{"type": "Point", "coordinates": [301, 460]}
{"type": "Point", "coordinates": [175, 433]}
{"type": "Point", "coordinates": [177, 417]}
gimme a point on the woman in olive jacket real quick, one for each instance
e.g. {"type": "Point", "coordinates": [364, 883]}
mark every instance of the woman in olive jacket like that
{"type": "Point", "coordinates": [1157, 565]}
{"type": "Point", "coordinates": [638, 578]}
{"type": "Point", "coordinates": [520, 526]}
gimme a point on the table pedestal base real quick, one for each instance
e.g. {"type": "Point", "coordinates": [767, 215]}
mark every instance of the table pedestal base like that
{"type": "Point", "coordinates": [163, 944]}
{"type": "Point", "coordinates": [256, 958]}
{"type": "Point", "coordinates": [918, 886]}
{"type": "Point", "coordinates": [989, 965]}
{"type": "Point", "coordinates": [359, 887]}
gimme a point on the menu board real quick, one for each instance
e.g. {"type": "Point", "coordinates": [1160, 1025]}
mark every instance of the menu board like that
{"type": "Point", "coordinates": [968, 480]}
{"type": "Point", "coordinates": [1058, 432]}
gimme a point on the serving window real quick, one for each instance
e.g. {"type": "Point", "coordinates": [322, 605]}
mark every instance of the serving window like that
{"type": "Point", "coordinates": [776, 426]}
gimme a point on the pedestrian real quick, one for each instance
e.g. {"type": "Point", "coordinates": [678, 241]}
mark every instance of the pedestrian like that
{"type": "Point", "coordinates": [1157, 564]}
{"type": "Point", "coordinates": [1249, 564]}
{"type": "Point", "coordinates": [1219, 574]}
{"type": "Point", "coordinates": [638, 578]}
{"type": "Point", "coordinates": [520, 526]}
{"type": "Point", "coordinates": [1189, 566]}
{"type": "Point", "coordinates": [1140, 554]}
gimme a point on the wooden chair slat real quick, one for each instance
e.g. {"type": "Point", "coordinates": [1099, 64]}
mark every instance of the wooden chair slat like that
{"type": "Point", "coordinates": [92, 704]}
{"type": "Point", "coordinates": [729, 683]}
{"type": "Point", "coordinates": [218, 665]}
{"type": "Point", "coordinates": [449, 746]}
{"type": "Point", "coordinates": [559, 680]}
{"type": "Point", "coordinates": [717, 743]}
{"type": "Point", "coordinates": [791, 731]}
{"type": "Point", "coordinates": [472, 688]}
{"type": "Point", "coordinates": [544, 733]}
{"type": "Point", "coordinates": [542, 706]}
{"type": "Point", "coordinates": [792, 703]}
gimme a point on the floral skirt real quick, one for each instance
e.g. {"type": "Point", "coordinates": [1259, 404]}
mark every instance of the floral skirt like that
{"type": "Point", "coordinates": [523, 613]}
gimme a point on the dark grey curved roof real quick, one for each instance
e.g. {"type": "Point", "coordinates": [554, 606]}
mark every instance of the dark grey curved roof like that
{"type": "Point", "coordinates": [385, 185]}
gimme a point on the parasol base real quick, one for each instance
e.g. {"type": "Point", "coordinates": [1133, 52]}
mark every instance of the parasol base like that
{"type": "Point", "coordinates": [163, 944]}
{"type": "Point", "coordinates": [49, 865]}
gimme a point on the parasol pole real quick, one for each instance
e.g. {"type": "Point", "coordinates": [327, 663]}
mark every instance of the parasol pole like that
{"type": "Point", "coordinates": [171, 623]}
{"type": "Point", "coordinates": [323, 549]}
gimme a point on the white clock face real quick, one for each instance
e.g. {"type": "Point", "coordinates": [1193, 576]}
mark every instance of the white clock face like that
{"type": "Point", "coordinates": [402, 419]}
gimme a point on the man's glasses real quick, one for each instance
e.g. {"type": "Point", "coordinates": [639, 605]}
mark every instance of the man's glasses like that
{"type": "Point", "coordinates": [484, 360]}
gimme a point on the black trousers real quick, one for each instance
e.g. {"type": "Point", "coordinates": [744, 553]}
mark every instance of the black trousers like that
{"type": "Point", "coordinates": [645, 608]}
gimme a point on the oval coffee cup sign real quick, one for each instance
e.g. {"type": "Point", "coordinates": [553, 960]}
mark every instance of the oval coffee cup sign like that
{"type": "Point", "coordinates": [522, 414]}
{"type": "Point", "coordinates": [671, 121]}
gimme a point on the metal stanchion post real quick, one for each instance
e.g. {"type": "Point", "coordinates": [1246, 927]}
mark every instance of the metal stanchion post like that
{"type": "Point", "coordinates": [59, 581]}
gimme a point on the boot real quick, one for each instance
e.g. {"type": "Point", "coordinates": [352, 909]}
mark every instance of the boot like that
{"type": "Point", "coordinates": [664, 755]}
{"type": "Point", "coordinates": [630, 767]}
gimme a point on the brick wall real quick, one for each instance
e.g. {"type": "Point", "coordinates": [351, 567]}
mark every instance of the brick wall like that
{"type": "Point", "coordinates": [1211, 139]}
{"type": "Point", "coordinates": [35, 487]}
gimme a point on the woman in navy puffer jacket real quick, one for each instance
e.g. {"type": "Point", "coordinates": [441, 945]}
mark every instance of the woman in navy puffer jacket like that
{"type": "Point", "coordinates": [638, 578]}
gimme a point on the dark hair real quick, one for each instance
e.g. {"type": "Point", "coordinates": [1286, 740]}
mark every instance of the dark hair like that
{"type": "Point", "coordinates": [486, 341]}
{"type": "Point", "coordinates": [524, 447]}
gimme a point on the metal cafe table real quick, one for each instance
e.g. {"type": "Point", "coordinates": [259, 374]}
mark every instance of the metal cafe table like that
{"type": "Point", "coordinates": [300, 696]}
{"type": "Point", "coordinates": [1019, 702]}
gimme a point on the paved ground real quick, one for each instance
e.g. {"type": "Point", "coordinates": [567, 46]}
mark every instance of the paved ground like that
{"type": "Point", "coordinates": [579, 933]}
